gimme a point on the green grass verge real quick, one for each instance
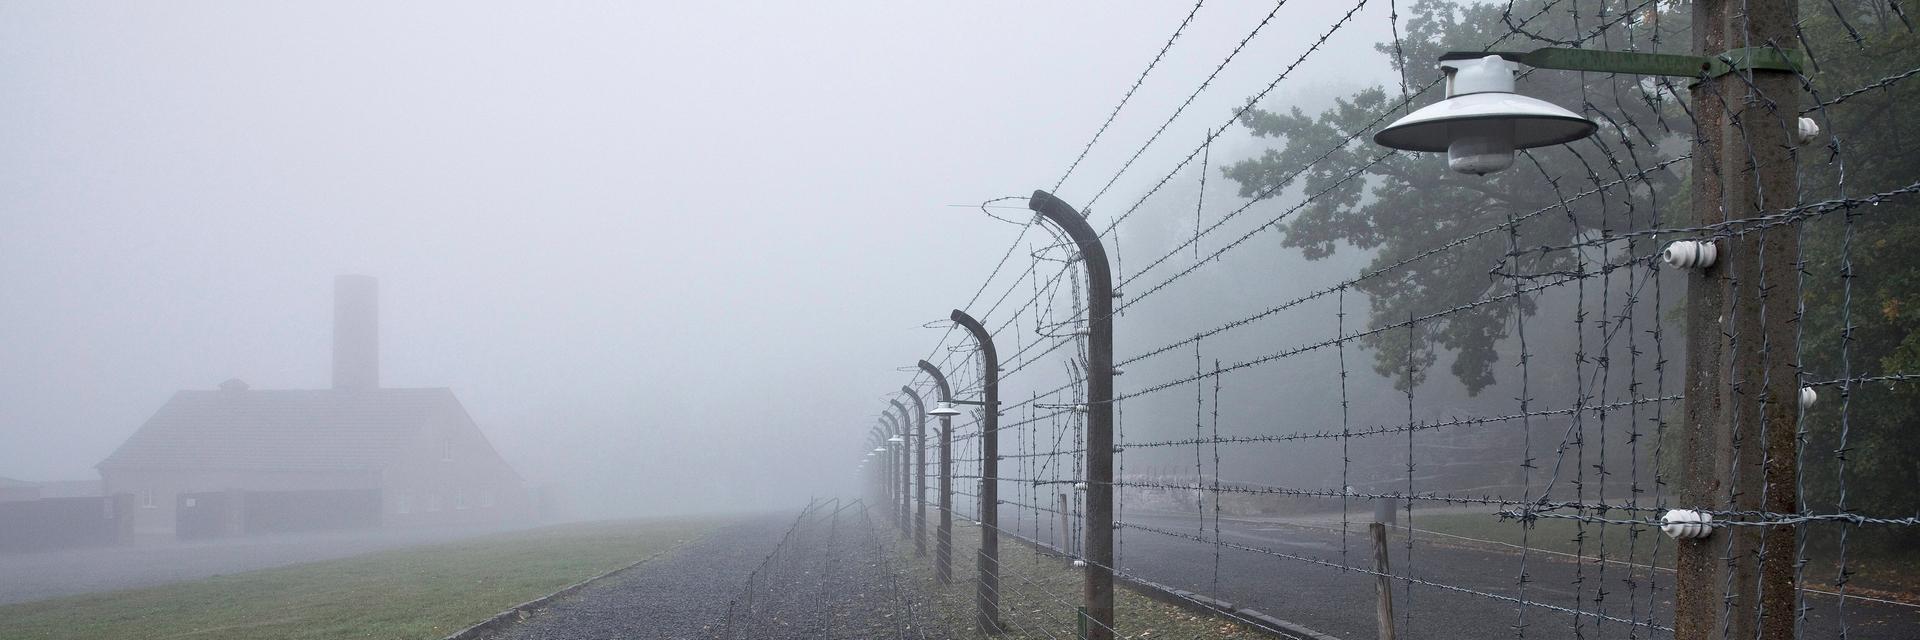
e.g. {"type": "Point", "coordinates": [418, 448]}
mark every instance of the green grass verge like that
{"type": "Point", "coordinates": [1039, 596]}
{"type": "Point", "coordinates": [1551, 535]}
{"type": "Point", "coordinates": [1873, 572]}
{"type": "Point", "coordinates": [420, 592]}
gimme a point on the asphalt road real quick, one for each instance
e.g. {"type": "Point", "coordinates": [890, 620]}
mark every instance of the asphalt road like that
{"type": "Point", "coordinates": [1567, 599]}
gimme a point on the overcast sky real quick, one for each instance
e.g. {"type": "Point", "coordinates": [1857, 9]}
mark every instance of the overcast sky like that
{"type": "Point", "coordinates": [668, 250]}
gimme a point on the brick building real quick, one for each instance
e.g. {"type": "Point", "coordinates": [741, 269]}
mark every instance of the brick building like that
{"type": "Point", "coordinates": [237, 460]}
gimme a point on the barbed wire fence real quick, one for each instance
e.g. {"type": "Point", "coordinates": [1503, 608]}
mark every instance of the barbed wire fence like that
{"type": "Point", "coordinates": [1264, 472]}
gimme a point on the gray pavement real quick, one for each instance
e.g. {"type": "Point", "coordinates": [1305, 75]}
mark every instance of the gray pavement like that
{"type": "Point", "coordinates": [1467, 590]}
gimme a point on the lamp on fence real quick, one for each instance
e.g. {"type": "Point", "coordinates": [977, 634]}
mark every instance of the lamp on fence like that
{"type": "Point", "coordinates": [896, 439]}
{"type": "Point", "coordinates": [1482, 121]}
{"type": "Point", "coordinates": [943, 410]}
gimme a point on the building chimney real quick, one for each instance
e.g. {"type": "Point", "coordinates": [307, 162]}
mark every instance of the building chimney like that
{"type": "Point", "coordinates": [356, 332]}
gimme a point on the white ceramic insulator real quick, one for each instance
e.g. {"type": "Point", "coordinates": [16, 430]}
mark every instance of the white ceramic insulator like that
{"type": "Point", "coordinates": [1683, 524]}
{"type": "Point", "coordinates": [1808, 396]}
{"type": "Point", "coordinates": [1079, 564]}
{"type": "Point", "coordinates": [1079, 408]}
{"type": "Point", "coordinates": [1119, 371]}
{"type": "Point", "coordinates": [1079, 486]}
{"type": "Point", "coordinates": [1808, 130]}
{"type": "Point", "coordinates": [1690, 254]}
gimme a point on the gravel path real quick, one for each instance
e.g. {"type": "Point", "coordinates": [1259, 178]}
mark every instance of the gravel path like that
{"type": "Point", "coordinates": [821, 573]}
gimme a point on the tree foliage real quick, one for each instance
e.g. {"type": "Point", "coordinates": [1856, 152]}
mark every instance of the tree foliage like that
{"type": "Point", "coordinates": [1410, 204]}
{"type": "Point", "coordinates": [1862, 312]}
{"type": "Point", "coordinates": [1867, 324]}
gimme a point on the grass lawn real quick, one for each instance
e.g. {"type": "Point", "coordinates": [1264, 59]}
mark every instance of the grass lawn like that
{"type": "Point", "coordinates": [1039, 596]}
{"type": "Point", "coordinates": [1874, 571]}
{"type": "Point", "coordinates": [420, 592]}
{"type": "Point", "coordinates": [1554, 535]}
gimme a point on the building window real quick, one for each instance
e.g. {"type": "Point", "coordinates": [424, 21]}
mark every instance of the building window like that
{"type": "Point", "coordinates": [446, 449]}
{"type": "Point", "coordinates": [146, 499]}
{"type": "Point", "coordinates": [460, 500]}
{"type": "Point", "coordinates": [402, 504]}
{"type": "Point", "coordinates": [486, 499]}
{"type": "Point", "coordinates": [433, 502]}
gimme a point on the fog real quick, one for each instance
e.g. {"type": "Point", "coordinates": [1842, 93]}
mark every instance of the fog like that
{"type": "Point", "coordinates": [668, 255]}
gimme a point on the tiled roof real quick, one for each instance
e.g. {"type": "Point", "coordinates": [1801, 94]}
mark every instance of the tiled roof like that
{"type": "Point", "coordinates": [283, 429]}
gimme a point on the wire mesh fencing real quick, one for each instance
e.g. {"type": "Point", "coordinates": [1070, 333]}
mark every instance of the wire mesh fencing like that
{"type": "Point", "coordinates": [1365, 396]}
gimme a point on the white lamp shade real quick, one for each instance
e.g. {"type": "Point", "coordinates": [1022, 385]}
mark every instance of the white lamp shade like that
{"type": "Point", "coordinates": [943, 410]}
{"type": "Point", "coordinates": [896, 439]}
{"type": "Point", "coordinates": [1536, 123]}
{"type": "Point", "coordinates": [1482, 121]}
{"type": "Point", "coordinates": [879, 449]}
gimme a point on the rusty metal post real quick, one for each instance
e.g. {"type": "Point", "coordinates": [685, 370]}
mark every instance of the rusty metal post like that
{"type": "Point", "coordinates": [919, 471]}
{"type": "Point", "coordinates": [886, 470]}
{"type": "Point", "coordinates": [873, 484]}
{"type": "Point", "coordinates": [876, 438]}
{"type": "Point", "coordinates": [987, 593]}
{"type": "Point", "coordinates": [1098, 588]}
{"type": "Point", "coordinates": [894, 461]}
{"type": "Point", "coordinates": [943, 535]}
{"type": "Point", "coordinates": [1739, 440]}
{"type": "Point", "coordinates": [906, 469]}
{"type": "Point", "coordinates": [905, 489]}
{"type": "Point", "coordinates": [886, 474]}
{"type": "Point", "coordinates": [882, 466]}
{"type": "Point", "coordinates": [1383, 583]}
{"type": "Point", "coordinates": [1066, 528]}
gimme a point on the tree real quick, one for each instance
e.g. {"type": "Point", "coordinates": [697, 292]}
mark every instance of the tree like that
{"type": "Point", "coordinates": [1410, 205]}
{"type": "Point", "coordinates": [1869, 143]}
{"type": "Point", "coordinates": [1406, 206]}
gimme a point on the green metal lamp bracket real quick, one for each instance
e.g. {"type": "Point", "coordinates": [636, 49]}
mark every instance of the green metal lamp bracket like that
{"type": "Point", "coordinates": [1648, 64]}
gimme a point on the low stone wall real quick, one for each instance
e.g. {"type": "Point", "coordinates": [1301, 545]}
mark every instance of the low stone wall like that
{"type": "Point", "coordinates": [62, 523]}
